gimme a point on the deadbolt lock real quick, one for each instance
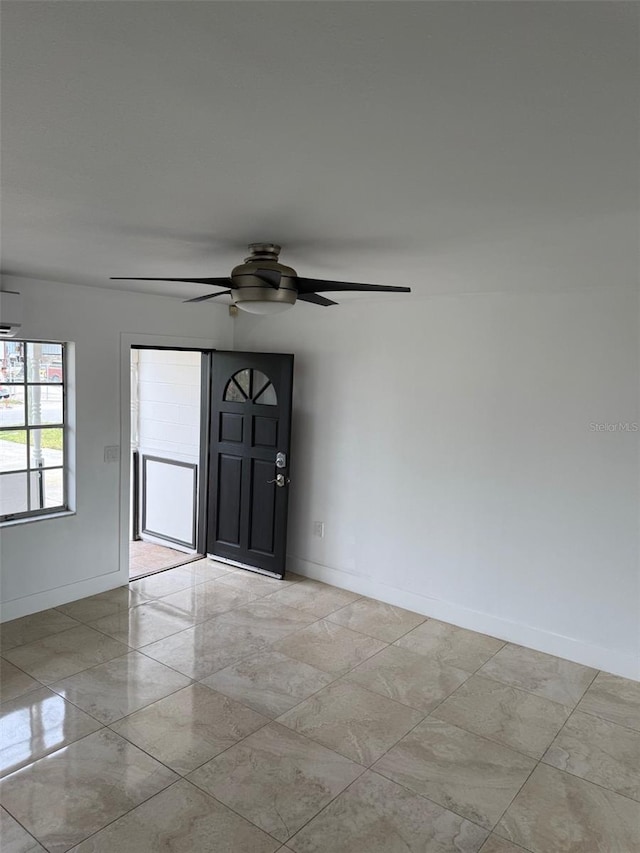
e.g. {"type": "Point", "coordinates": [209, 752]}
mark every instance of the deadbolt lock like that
{"type": "Point", "coordinates": [281, 460]}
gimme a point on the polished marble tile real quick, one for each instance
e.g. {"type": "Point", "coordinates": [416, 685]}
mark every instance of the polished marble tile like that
{"type": "Point", "coordinates": [504, 714]}
{"type": "Point", "coordinates": [374, 815]}
{"type": "Point", "coordinates": [207, 600]}
{"type": "Point", "coordinates": [318, 599]}
{"type": "Point", "coordinates": [495, 844]}
{"type": "Point", "coordinates": [277, 779]}
{"type": "Point", "coordinates": [14, 682]}
{"type": "Point", "coordinates": [189, 727]}
{"type": "Point", "coordinates": [72, 793]}
{"type": "Point", "coordinates": [258, 584]}
{"type": "Point", "coordinates": [139, 626]}
{"type": "Point", "coordinates": [180, 819]}
{"type": "Point", "coordinates": [66, 653]}
{"type": "Point", "coordinates": [599, 751]}
{"type": "Point", "coordinates": [615, 699]}
{"type": "Point", "coordinates": [355, 722]}
{"type": "Point", "coordinates": [559, 813]}
{"type": "Point", "coordinates": [269, 682]}
{"type": "Point", "coordinates": [104, 604]}
{"type": "Point", "coordinates": [204, 649]}
{"type": "Point", "coordinates": [36, 724]}
{"type": "Point", "coordinates": [451, 645]}
{"type": "Point", "coordinates": [545, 675]}
{"type": "Point", "coordinates": [37, 626]}
{"type": "Point", "coordinates": [471, 756]}
{"type": "Point", "coordinates": [377, 619]}
{"type": "Point", "coordinates": [206, 569]}
{"type": "Point", "coordinates": [461, 771]}
{"type": "Point", "coordinates": [164, 583]}
{"type": "Point", "coordinates": [15, 839]}
{"type": "Point", "coordinates": [267, 620]}
{"type": "Point", "coordinates": [328, 647]}
{"type": "Point", "coordinates": [120, 687]}
{"type": "Point", "coordinates": [407, 677]}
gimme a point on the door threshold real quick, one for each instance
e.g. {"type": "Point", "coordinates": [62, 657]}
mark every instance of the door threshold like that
{"type": "Point", "coordinates": [189, 558]}
{"type": "Point", "coordinates": [240, 565]}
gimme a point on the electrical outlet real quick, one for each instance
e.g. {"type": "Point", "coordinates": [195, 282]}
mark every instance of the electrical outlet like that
{"type": "Point", "coordinates": [318, 529]}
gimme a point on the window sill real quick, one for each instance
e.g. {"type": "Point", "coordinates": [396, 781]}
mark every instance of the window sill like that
{"type": "Point", "coordinates": [14, 522]}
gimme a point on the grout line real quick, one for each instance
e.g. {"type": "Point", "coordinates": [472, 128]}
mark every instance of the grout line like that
{"type": "Point", "coordinates": [607, 720]}
{"type": "Point", "coordinates": [21, 825]}
{"type": "Point", "coordinates": [124, 814]}
{"type": "Point", "coordinates": [577, 775]}
{"type": "Point", "coordinates": [46, 636]}
{"type": "Point", "coordinates": [539, 761]}
{"type": "Point", "coordinates": [518, 846]}
{"type": "Point", "coordinates": [589, 782]}
{"type": "Point", "coordinates": [118, 657]}
{"type": "Point", "coordinates": [239, 814]}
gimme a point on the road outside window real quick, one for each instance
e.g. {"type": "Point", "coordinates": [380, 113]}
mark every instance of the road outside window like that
{"type": "Point", "coordinates": [32, 429]}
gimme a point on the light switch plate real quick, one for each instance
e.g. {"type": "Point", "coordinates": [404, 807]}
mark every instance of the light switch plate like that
{"type": "Point", "coordinates": [112, 453]}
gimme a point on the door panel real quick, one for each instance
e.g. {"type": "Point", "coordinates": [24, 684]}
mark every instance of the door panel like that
{"type": "Point", "coordinates": [250, 424]}
{"type": "Point", "coordinates": [261, 528]}
{"type": "Point", "coordinates": [230, 499]}
{"type": "Point", "coordinates": [265, 432]}
{"type": "Point", "coordinates": [230, 427]}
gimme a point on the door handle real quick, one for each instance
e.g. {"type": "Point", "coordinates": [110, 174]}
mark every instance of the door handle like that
{"type": "Point", "coordinates": [280, 480]}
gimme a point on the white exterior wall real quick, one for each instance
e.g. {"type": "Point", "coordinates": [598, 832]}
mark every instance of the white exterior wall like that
{"type": "Point", "coordinates": [49, 562]}
{"type": "Point", "coordinates": [169, 404]}
{"type": "Point", "coordinates": [446, 443]}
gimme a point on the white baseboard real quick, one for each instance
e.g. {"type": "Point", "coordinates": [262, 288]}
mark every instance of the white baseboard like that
{"type": "Point", "coordinates": [609, 660]}
{"type": "Point", "coordinates": [28, 604]}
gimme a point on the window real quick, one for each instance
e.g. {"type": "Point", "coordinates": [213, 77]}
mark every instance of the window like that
{"type": "Point", "coordinates": [250, 385]}
{"type": "Point", "coordinates": [32, 429]}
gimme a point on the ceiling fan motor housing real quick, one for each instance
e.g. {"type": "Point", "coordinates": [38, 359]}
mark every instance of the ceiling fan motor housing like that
{"type": "Point", "coordinates": [249, 287]}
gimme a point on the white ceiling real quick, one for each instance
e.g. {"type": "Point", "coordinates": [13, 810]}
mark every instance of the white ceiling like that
{"type": "Point", "coordinates": [452, 146]}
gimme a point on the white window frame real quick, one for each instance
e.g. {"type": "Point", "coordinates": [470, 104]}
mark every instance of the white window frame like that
{"type": "Point", "coordinates": [30, 470]}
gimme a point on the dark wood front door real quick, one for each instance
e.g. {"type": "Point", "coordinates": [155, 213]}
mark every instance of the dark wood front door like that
{"type": "Point", "coordinates": [249, 459]}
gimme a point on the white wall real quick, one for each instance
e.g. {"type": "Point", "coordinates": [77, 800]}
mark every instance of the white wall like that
{"type": "Point", "coordinates": [446, 444]}
{"type": "Point", "coordinates": [44, 563]}
{"type": "Point", "coordinates": [169, 404]}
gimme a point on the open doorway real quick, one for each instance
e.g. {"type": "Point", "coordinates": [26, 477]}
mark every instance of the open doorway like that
{"type": "Point", "coordinates": [166, 453]}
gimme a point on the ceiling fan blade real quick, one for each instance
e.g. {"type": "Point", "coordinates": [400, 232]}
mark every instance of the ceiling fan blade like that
{"type": "Point", "coordinates": [315, 298]}
{"type": "Point", "coordinates": [208, 296]}
{"type": "Point", "coordinates": [217, 282]}
{"type": "Point", "coordinates": [270, 277]}
{"type": "Point", "coordinates": [313, 285]}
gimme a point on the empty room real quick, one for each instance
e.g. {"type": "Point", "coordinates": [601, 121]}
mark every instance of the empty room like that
{"type": "Point", "coordinates": [320, 426]}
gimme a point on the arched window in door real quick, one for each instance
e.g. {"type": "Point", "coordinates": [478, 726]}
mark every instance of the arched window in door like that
{"type": "Point", "coordinates": [250, 386]}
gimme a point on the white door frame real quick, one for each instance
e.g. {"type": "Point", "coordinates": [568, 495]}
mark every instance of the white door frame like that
{"type": "Point", "coordinates": [127, 341]}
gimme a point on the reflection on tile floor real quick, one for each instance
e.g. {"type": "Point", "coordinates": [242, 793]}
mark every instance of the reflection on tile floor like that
{"type": "Point", "coordinates": [207, 703]}
{"type": "Point", "coordinates": [146, 557]}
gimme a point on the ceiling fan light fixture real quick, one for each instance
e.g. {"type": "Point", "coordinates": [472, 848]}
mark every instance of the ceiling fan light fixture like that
{"type": "Point", "coordinates": [264, 307]}
{"type": "Point", "coordinates": [252, 295]}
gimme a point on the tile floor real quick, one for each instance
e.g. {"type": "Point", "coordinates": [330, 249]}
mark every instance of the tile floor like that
{"type": "Point", "coordinates": [205, 709]}
{"type": "Point", "coordinates": [145, 557]}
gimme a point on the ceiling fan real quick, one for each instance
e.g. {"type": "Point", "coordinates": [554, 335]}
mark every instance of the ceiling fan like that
{"type": "Point", "coordinates": [262, 285]}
